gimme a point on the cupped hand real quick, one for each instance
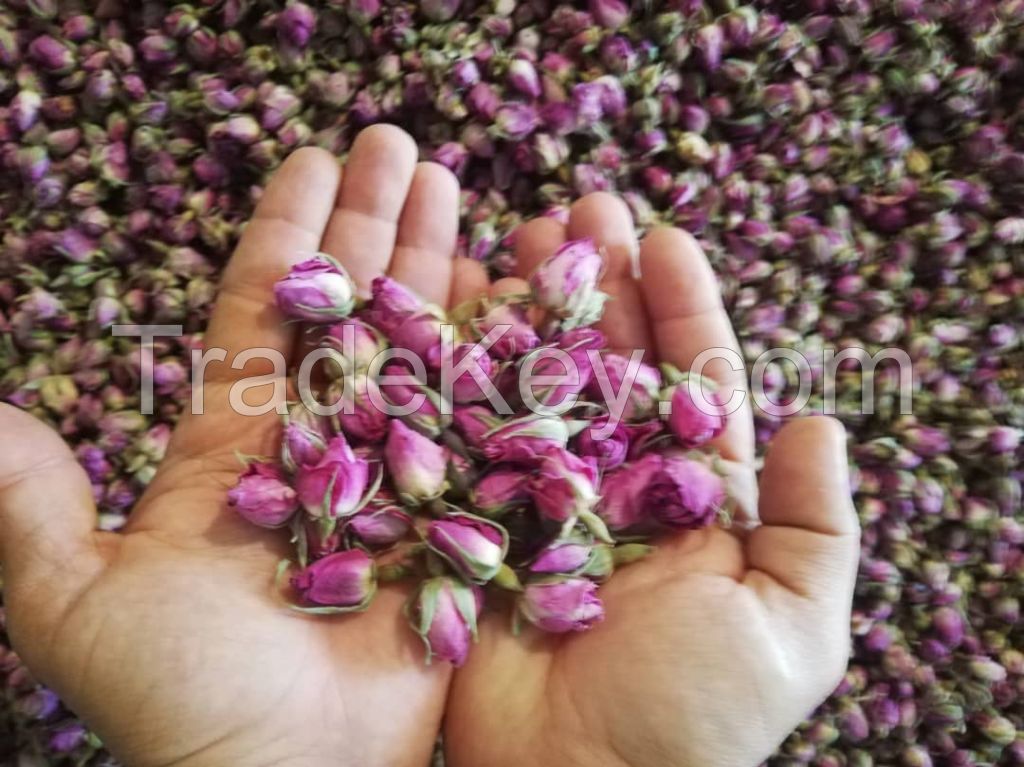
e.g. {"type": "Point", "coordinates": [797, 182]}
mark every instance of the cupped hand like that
{"type": "Point", "coordinates": [167, 638]}
{"type": "Point", "coordinates": [715, 647]}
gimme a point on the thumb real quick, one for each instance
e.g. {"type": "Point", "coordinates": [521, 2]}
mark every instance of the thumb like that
{"type": "Point", "coordinates": [48, 547]}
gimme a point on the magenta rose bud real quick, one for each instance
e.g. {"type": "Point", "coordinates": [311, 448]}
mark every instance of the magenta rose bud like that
{"type": "Point", "coordinates": [695, 417]}
{"type": "Point", "coordinates": [262, 496]}
{"type": "Point", "coordinates": [610, 449]}
{"type": "Point", "coordinates": [525, 439]}
{"type": "Point", "coordinates": [417, 465]}
{"type": "Point", "coordinates": [523, 77]}
{"type": "Point", "coordinates": [316, 290]}
{"type": "Point", "coordinates": [334, 486]}
{"type": "Point", "coordinates": [474, 547]}
{"type": "Point", "coordinates": [400, 391]}
{"type": "Point", "coordinates": [380, 523]}
{"type": "Point", "coordinates": [685, 494]}
{"type": "Point", "coordinates": [358, 342]}
{"type": "Point", "coordinates": [562, 557]}
{"type": "Point", "coordinates": [609, 379]}
{"type": "Point", "coordinates": [621, 506]}
{"type": "Point", "coordinates": [391, 304]}
{"type": "Point", "coordinates": [519, 337]}
{"type": "Point", "coordinates": [563, 485]}
{"type": "Point", "coordinates": [420, 334]}
{"type": "Point", "coordinates": [499, 491]}
{"type": "Point", "coordinates": [466, 388]}
{"type": "Point", "coordinates": [566, 284]}
{"type": "Point", "coordinates": [558, 604]}
{"type": "Point", "coordinates": [359, 417]}
{"type": "Point", "coordinates": [444, 614]}
{"type": "Point", "coordinates": [472, 422]}
{"type": "Point", "coordinates": [303, 441]}
{"type": "Point", "coordinates": [296, 24]}
{"type": "Point", "coordinates": [611, 14]}
{"type": "Point", "coordinates": [344, 579]}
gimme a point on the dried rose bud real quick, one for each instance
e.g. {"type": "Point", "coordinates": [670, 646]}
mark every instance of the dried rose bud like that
{"type": "Point", "coordinates": [519, 336]}
{"type": "Point", "coordinates": [610, 14]}
{"type": "Point", "coordinates": [420, 334]}
{"type": "Point", "coordinates": [695, 418]}
{"type": "Point", "coordinates": [51, 54]}
{"type": "Point", "coordinates": [563, 556]}
{"type": "Point", "coordinates": [359, 418]}
{"type": "Point", "coordinates": [523, 77]}
{"type": "Point", "coordinates": [262, 496]}
{"type": "Point", "coordinates": [316, 290]}
{"type": "Point", "coordinates": [416, 464]}
{"type": "Point", "coordinates": [563, 485]}
{"type": "Point", "coordinates": [381, 523]}
{"type": "Point", "coordinates": [334, 486]}
{"type": "Point", "coordinates": [566, 284]}
{"type": "Point", "coordinates": [622, 493]}
{"type": "Point", "coordinates": [472, 422]}
{"type": "Point", "coordinates": [515, 121]}
{"type": "Point", "coordinates": [608, 451]}
{"type": "Point", "coordinates": [444, 613]}
{"type": "Point", "coordinates": [67, 738]}
{"type": "Point", "coordinates": [525, 439]}
{"type": "Point", "coordinates": [303, 442]}
{"type": "Point", "coordinates": [558, 604]}
{"type": "Point", "coordinates": [685, 493]}
{"type": "Point", "coordinates": [359, 342]}
{"type": "Point", "coordinates": [296, 24]}
{"type": "Point", "coordinates": [499, 491]}
{"type": "Point", "coordinates": [401, 388]}
{"type": "Point", "coordinates": [346, 579]}
{"type": "Point", "coordinates": [609, 379]}
{"type": "Point", "coordinates": [474, 547]}
{"type": "Point", "coordinates": [465, 387]}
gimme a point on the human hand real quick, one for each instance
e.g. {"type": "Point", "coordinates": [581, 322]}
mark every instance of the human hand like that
{"type": "Point", "coordinates": [167, 638]}
{"type": "Point", "coordinates": [716, 646]}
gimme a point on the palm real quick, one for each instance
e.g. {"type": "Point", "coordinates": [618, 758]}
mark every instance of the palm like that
{"type": "Point", "coordinates": [714, 647]}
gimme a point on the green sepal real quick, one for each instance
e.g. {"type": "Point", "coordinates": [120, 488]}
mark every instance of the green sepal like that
{"type": "Point", "coordinates": [282, 569]}
{"type": "Point", "coordinates": [507, 579]}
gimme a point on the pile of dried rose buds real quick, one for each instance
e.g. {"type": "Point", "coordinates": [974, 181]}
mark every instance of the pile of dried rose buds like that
{"type": "Point", "coordinates": [500, 447]}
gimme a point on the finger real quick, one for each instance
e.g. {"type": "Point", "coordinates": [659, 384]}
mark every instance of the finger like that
{"type": "Point", "coordinates": [469, 281]}
{"type": "Point", "coordinates": [535, 241]}
{"type": "Point", "coordinates": [287, 226]}
{"type": "Point", "coordinates": [606, 219]}
{"type": "Point", "coordinates": [427, 233]}
{"type": "Point", "coordinates": [362, 230]}
{"type": "Point", "coordinates": [688, 318]}
{"type": "Point", "coordinates": [808, 544]}
{"type": "Point", "coordinates": [48, 547]}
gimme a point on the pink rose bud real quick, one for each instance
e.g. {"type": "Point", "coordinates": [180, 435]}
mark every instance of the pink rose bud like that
{"type": "Point", "coordinates": [641, 397]}
{"type": "Point", "coordinates": [444, 614]}
{"type": "Point", "coordinates": [420, 334]}
{"type": "Point", "coordinates": [608, 450]}
{"type": "Point", "coordinates": [562, 557]}
{"type": "Point", "coordinates": [472, 422]}
{"type": "Point", "coordinates": [344, 579]}
{"type": "Point", "coordinates": [474, 547]}
{"type": "Point", "coordinates": [382, 522]}
{"type": "Point", "coordinates": [558, 604]}
{"type": "Point", "coordinates": [519, 337]}
{"type": "Point", "coordinates": [622, 491]}
{"type": "Point", "coordinates": [569, 367]}
{"type": "Point", "coordinates": [334, 486]}
{"type": "Point", "coordinates": [525, 439]}
{"type": "Point", "coordinates": [262, 496]}
{"type": "Point", "coordinates": [523, 77]}
{"type": "Point", "coordinates": [391, 304]}
{"type": "Point", "coordinates": [563, 485]}
{"type": "Point", "coordinates": [696, 417]}
{"type": "Point", "coordinates": [359, 417]}
{"type": "Point", "coordinates": [416, 464]}
{"type": "Point", "coordinates": [426, 417]}
{"type": "Point", "coordinates": [610, 14]}
{"type": "Point", "coordinates": [685, 494]}
{"type": "Point", "coordinates": [499, 491]}
{"type": "Point", "coordinates": [321, 540]}
{"type": "Point", "coordinates": [296, 24]}
{"type": "Point", "coordinates": [316, 290]}
{"type": "Point", "coordinates": [566, 284]}
{"type": "Point", "coordinates": [303, 441]}
{"type": "Point", "coordinates": [358, 343]}
{"type": "Point", "coordinates": [465, 387]}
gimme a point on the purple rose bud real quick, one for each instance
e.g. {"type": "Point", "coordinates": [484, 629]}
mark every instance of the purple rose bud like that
{"type": "Point", "coordinates": [444, 614]}
{"type": "Point", "coordinates": [440, 10]}
{"type": "Point", "coordinates": [453, 156]}
{"type": "Point", "coordinates": [51, 54]}
{"type": "Point", "coordinates": [558, 604]}
{"type": "Point", "coordinates": [610, 14]}
{"type": "Point", "coordinates": [24, 109]}
{"type": "Point", "coordinates": [709, 43]}
{"type": "Point", "coordinates": [420, 334]}
{"type": "Point", "coordinates": [334, 486]}
{"type": "Point", "coordinates": [316, 290]}
{"type": "Point", "coordinates": [562, 557]}
{"type": "Point", "coordinates": [67, 738]}
{"type": "Point", "coordinates": [566, 284]}
{"type": "Point", "coordinates": [472, 422]}
{"type": "Point", "coordinates": [158, 50]}
{"type": "Point", "coordinates": [948, 625]}
{"type": "Point", "coordinates": [499, 491]}
{"type": "Point", "coordinates": [262, 496]}
{"type": "Point", "coordinates": [563, 485]}
{"type": "Point", "coordinates": [523, 77]}
{"type": "Point", "coordinates": [381, 523]}
{"type": "Point", "coordinates": [40, 704]}
{"type": "Point", "coordinates": [519, 336]}
{"type": "Point", "coordinates": [525, 439]}
{"type": "Point", "coordinates": [296, 24]}
{"type": "Point", "coordinates": [1004, 439]}
{"type": "Point", "coordinates": [303, 442]}
{"type": "Point", "coordinates": [33, 162]}
{"type": "Point", "coordinates": [465, 73]}
{"type": "Point", "coordinates": [391, 305]}
{"type": "Point", "coordinates": [357, 341]}
{"type": "Point", "coordinates": [641, 397]}
{"type": "Point", "coordinates": [474, 547]}
{"type": "Point", "coordinates": [345, 579]}
{"type": "Point", "coordinates": [400, 391]}
{"type": "Point", "coordinates": [416, 464]}
{"type": "Point", "coordinates": [608, 451]}
{"type": "Point", "coordinates": [685, 494]}
{"type": "Point", "coordinates": [484, 101]}
{"type": "Point", "coordinates": [613, 96]}
{"type": "Point", "coordinates": [695, 418]}
{"type": "Point", "coordinates": [360, 418]}
{"type": "Point", "coordinates": [558, 117]}
{"type": "Point", "coordinates": [622, 493]}
{"type": "Point", "coordinates": [516, 121]}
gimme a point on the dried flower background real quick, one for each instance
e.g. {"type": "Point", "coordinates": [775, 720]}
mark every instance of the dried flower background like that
{"type": "Point", "coordinates": [855, 170]}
